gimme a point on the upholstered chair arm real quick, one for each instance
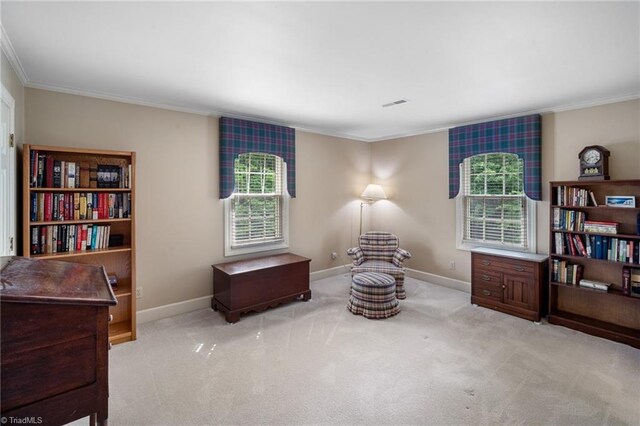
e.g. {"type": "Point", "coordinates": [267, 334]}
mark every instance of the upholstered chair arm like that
{"type": "Point", "coordinates": [356, 255]}
{"type": "Point", "coordinates": [400, 256]}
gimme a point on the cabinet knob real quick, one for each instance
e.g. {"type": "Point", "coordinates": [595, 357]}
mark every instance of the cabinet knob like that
{"type": "Point", "coordinates": [518, 268]}
{"type": "Point", "coordinates": [110, 317]}
{"type": "Point", "coordinates": [486, 262]}
{"type": "Point", "coordinates": [486, 292]}
{"type": "Point", "coordinates": [486, 277]}
{"type": "Point", "coordinates": [504, 286]}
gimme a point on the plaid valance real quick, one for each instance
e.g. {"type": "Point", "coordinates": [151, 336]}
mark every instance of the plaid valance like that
{"type": "Point", "coordinates": [243, 136]}
{"type": "Point", "coordinates": [520, 135]}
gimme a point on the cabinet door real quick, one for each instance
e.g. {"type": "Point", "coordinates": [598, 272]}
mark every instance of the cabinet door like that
{"type": "Point", "coordinates": [519, 291]}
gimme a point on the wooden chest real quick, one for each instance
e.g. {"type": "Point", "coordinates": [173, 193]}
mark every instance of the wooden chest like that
{"type": "Point", "coordinates": [509, 282]}
{"type": "Point", "coordinates": [54, 338]}
{"type": "Point", "coordinates": [257, 284]}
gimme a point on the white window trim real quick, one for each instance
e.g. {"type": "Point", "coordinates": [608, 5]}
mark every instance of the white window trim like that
{"type": "Point", "coordinates": [258, 247]}
{"type": "Point", "coordinates": [8, 230]}
{"type": "Point", "coordinates": [461, 244]}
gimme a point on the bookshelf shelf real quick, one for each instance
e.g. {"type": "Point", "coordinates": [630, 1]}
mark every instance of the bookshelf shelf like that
{"type": "Point", "coordinates": [47, 178]}
{"type": "Point", "coordinates": [607, 330]}
{"type": "Point", "coordinates": [58, 256]}
{"type": "Point", "coordinates": [612, 314]}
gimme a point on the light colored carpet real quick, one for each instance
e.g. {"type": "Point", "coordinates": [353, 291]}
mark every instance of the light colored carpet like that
{"type": "Point", "coordinates": [441, 361]}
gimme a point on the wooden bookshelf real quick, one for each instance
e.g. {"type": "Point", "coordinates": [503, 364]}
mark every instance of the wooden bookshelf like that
{"type": "Point", "coordinates": [116, 259]}
{"type": "Point", "coordinates": [610, 314]}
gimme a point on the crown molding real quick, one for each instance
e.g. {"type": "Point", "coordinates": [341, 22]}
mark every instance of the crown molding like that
{"type": "Point", "coordinates": [116, 98]}
{"type": "Point", "coordinates": [7, 48]}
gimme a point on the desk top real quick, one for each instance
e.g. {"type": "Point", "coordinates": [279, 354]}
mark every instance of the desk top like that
{"type": "Point", "coordinates": [26, 280]}
{"type": "Point", "coordinates": [249, 265]}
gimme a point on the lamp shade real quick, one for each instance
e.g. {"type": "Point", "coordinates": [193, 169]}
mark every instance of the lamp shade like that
{"type": "Point", "coordinates": [373, 192]}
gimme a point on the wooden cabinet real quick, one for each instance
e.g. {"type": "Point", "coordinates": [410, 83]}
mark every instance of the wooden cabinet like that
{"type": "Point", "coordinates": [610, 314]}
{"type": "Point", "coordinates": [257, 284]}
{"type": "Point", "coordinates": [54, 338]}
{"type": "Point", "coordinates": [509, 282]}
{"type": "Point", "coordinates": [102, 197]}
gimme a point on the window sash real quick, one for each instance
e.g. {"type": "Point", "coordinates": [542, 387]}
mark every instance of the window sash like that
{"type": "Point", "coordinates": [494, 206]}
{"type": "Point", "coordinates": [487, 219]}
{"type": "Point", "coordinates": [256, 219]}
{"type": "Point", "coordinates": [257, 207]}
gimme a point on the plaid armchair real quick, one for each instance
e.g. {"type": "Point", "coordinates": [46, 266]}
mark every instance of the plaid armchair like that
{"type": "Point", "coordinates": [379, 252]}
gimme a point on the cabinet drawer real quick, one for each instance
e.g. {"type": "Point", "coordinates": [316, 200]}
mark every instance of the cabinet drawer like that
{"type": "Point", "coordinates": [487, 278]}
{"type": "Point", "coordinates": [502, 264]}
{"type": "Point", "coordinates": [487, 290]}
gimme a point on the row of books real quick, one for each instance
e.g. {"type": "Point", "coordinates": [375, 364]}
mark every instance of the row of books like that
{"type": "Point", "coordinates": [565, 272]}
{"type": "Point", "coordinates": [573, 220]}
{"type": "Point", "coordinates": [49, 172]}
{"type": "Point", "coordinates": [568, 220]}
{"type": "Point", "coordinates": [69, 238]}
{"type": "Point", "coordinates": [49, 206]}
{"type": "Point", "coordinates": [597, 247]}
{"type": "Point", "coordinates": [577, 197]}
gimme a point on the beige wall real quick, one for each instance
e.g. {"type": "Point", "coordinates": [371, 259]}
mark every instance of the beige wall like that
{"type": "Point", "coordinates": [179, 216]}
{"type": "Point", "coordinates": [180, 219]}
{"type": "Point", "coordinates": [414, 170]}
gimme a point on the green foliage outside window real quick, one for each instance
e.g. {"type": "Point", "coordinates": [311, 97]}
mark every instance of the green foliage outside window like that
{"type": "Point", "coordinates": [257, 201]}
{"type": "Point", "coordinates": [495, 200]}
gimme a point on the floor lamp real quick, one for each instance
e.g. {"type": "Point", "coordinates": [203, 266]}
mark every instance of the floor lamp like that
{"type": "Point", "coordinates": [370, 195]}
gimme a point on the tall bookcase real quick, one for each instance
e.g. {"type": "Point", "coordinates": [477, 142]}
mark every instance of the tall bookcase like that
{"type": "Point", "coordinates": [95, 203]}
{"type": "Point", "coordinates": [609, 314]}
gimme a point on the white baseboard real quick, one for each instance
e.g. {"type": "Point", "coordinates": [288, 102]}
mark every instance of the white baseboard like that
{"type": "Point", "coordinates": [172, 309]}
{"type": "Point", "coordinates": [439, 280]}
{"type": "Point", "coordinates": [326, 273]}
{"type": "Point", "coordinates": [185, 306]}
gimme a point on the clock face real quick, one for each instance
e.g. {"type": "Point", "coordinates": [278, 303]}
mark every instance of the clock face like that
{"type": "Point", "coordinates": [591, 157]}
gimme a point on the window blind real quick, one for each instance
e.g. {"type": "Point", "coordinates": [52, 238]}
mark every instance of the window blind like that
{"type": "Point", "coordinates": [494, 200]}
{"type": "Point", "coordinates": [257, 200]}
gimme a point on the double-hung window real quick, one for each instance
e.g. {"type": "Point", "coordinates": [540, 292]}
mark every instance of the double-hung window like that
{"type": "Point", "coordinates": [493, 210]}
{"type": "Point", "coordinates": [256, 214]}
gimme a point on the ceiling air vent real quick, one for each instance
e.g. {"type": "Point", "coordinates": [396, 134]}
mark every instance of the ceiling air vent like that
{"type": "Point", "coordinates": [398, 102]}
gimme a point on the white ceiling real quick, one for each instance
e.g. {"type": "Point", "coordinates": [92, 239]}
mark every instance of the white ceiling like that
{"type": "Point", "coordinates": [329, 67]}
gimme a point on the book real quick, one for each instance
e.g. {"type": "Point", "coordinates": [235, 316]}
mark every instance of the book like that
{"type": "Point", "coordinates": [33, 168]}
{"type": "Point", "coordinates": [84, 175]}
{"type": "Point", "coordinates": [57, 174]}
{"type": "Point", "coordinates": [40, 172]}
{"type": "Point", "coordinates": [93, 174]}
{"type": "Point", "coordinates": [626, 280]}
{"type": "Point", "coordinates": [597, 285]}
{"type": "Point", "coordinates": [579, 245]}
{"type": "Point", "coordinates": [35, 233]}
{"type": "Point", "coordinates": [48, 172]}
{"type": "Point", "coordinates": [83, 206]}
{"type": "Point", "coordinates": [71, 174]}
{"type": "Point", "coordinates": [593, 198]}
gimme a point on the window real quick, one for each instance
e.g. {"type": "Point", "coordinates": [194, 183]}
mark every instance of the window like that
{"type": "Point", "coordinates": [256, 214]}
{"type": "Point", "coordinates": [493, 210]}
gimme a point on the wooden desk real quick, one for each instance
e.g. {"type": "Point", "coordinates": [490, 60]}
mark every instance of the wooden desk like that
{"type": "Point", "coordinates": [54, 338]}
{"type": "Point", "coordinates": [257, 284]}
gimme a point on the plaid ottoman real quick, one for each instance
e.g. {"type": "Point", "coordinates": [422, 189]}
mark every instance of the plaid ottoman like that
{"type": "Point", "coordinates": [373, 295]}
